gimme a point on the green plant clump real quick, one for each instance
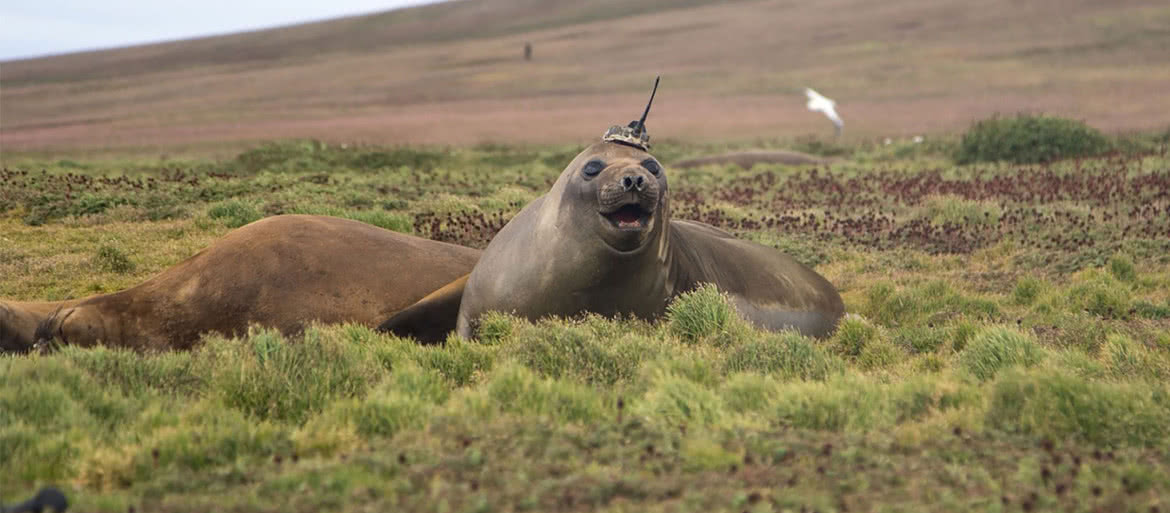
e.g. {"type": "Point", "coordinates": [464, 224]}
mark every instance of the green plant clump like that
{"type": "Point", "coordinates": [1029, 139]}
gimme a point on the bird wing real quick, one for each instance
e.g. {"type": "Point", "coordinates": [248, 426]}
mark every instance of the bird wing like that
{"type": "Point", "coordinates": [816, 102]}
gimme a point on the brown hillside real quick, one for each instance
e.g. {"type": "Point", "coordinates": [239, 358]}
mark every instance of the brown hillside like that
{"type": "Point", "coordinates": [453, 73]}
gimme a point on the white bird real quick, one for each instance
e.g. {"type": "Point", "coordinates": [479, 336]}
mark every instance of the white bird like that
{"type": "Point", "coordinates": [818, 103]}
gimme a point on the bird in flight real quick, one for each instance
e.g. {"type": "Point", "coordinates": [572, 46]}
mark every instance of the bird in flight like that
{"type": "Point", "coordinates": [818, 103]}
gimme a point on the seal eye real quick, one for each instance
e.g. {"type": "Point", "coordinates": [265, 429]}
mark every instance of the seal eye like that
{"type": "Point", "coordinates": [652, 166]}
{"type": "Point", "coordinates": [593, 167]}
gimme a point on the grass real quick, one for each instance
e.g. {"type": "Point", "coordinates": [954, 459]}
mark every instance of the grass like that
{"type": "Point", "coordinates": [1019, 364]}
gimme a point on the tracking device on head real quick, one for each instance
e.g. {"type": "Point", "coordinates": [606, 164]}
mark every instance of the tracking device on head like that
{"type": "Point", "coordinates": [635, 133]}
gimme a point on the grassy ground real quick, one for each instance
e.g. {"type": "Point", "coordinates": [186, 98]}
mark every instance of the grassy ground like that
{"type": "Point", "coordinates": [1008, 347]}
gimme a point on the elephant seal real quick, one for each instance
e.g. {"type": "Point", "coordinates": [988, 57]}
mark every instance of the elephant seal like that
{"type": "Point", "coordinates": [602, 241]}
{"type": "Point", "coordinates": [19, 320]}
{"type": "Point", "coordinates": [748, 159]}
{"type": "Point", "coordinates": [281, 272]}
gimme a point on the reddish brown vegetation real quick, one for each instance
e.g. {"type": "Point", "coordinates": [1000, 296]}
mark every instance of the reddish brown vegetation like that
{"type": "Point", "coordinates": [1040, 206]}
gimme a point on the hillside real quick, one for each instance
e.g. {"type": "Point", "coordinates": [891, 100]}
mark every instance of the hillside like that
{"type": "Point", "coordinates": [452, 73]}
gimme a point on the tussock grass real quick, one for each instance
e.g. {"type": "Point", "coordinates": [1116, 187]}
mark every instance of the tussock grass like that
{"type": "Point", "coordinates": [704, 315]}
{"type": "Point", "coordinates": [786, 355]}
{"type": "Point", "coordinates": [995, 349]}
{"type": "Point", "coordinates": [1061, 406]}
{"type": "Point", "coordinates": [1101, 294]}
{"type": "Point", "coordinates": [275, 379]}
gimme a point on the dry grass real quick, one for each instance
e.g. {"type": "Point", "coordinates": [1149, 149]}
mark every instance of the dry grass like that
{"type": "Point", "coordinates": [453, 73]}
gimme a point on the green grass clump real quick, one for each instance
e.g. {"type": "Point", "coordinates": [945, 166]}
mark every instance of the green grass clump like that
{"type": "Point", "coordinates": [703, 314]}
{"type": "Point", "coordinates": [997, 348]}
{"type": "Point", "coordinates": [403, 401]}
{"type": "Point", "coordinates": [1027, 139]}
{"type": "Point", "coordinates": [1063, 406]}
{"type": "Point", "coordinates": [1148, 310]}
{"type": "Point", "coordinates": [832, 406]}
{"type": "Point", "coordinates": [234, 214]}
{"type": "Point", "coordinates": [673, 400]}
{"type": "Point", "coordinates": [785, 355]}
{"type": "Point", "coordinates": [1122, 268]}
{"type": "Point", "coordinates": [920, 339]}
{"type": "Point", "coordinates": [853, 334]}
{"type": "Point", "coordinates": [930, 302]}
{"type": "Point", "coordinates": [879, 355]}
{"type": "Point", "coordinates": [168, 373]}
{"type": "Point", "coordinates": [1027, 290]}
{"type": "Point", "coordinates": [576, 352]}
{"type": "Point", "coordinates": [111, 258]}
{"type": "Point", "coordinates": [1101, 294]}
{"type": "Point", "coordinates": [955, 210]}
{"type": "Point", "coordinates": [513, 389]}
{"type": "Point", "coordinates": [1128, 359]}
{"type": "Point", "coordinates": [277, 379]}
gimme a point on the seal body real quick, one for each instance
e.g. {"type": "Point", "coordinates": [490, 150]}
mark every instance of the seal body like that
{"type": "Point", "coordinates": [281, 272]}
{"type": "Point", "coordinates": [601, 240]}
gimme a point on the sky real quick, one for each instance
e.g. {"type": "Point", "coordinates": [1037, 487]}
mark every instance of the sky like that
{"type": "Point", "coordinates": [32, 28]}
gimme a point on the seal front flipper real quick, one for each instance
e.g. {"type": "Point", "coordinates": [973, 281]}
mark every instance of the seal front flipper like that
{"type": "Point", "coordinates": [431, 318]}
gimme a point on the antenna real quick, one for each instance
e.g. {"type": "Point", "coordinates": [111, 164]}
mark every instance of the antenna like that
{"type": "Point", "coordinates": [642, 122]}
{"type": "Point", "coordinates": [633, 134]}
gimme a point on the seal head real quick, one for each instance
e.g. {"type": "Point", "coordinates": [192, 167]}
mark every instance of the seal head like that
{"type": "Point", "coordinates": [620, 191]}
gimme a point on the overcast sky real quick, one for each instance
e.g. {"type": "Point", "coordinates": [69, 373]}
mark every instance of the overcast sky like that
{"type": "Point", "coordinates": [30, 28]}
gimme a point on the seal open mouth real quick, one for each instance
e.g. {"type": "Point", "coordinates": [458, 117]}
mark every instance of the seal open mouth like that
{"type": "Point", "coordinates": [629, 217]}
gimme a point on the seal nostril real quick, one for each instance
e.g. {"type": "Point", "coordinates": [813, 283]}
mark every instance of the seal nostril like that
{"type": "Point", "coordinates": [641, 183]}
{"type": "Point", "coordinates": [627, 182]}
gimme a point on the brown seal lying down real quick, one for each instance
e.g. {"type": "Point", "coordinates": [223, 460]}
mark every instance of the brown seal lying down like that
{"type": "Point", "coordinates": [281, 272]}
